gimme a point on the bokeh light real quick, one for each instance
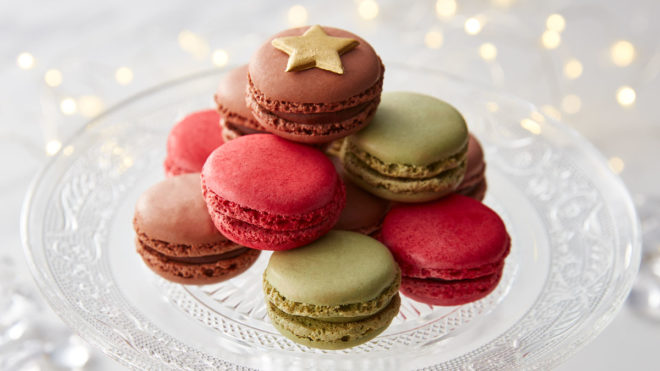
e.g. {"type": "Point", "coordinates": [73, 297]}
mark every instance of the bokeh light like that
{"type": "Point", "coordinates": [68, 106]}
{"type": "Point", "coordinates": [573, 69]}
{"type": "Point", "coordinates": [488, 51]}
{"type": "Point", "coordinates": [473, 26]}
{"type": "Point", "coordinates": [571, 104]}
{"type": "Point", "coordinates": [25, 61]}
{"type": "Point", "coordinates": [53, 146]}
{"type": "Point", "coordinates": [555, 22]}
{"type": "Point", "coordinates": [626, 96]}
{"type": "Point", "coordinates": [124, 75]}
{"type": "Point", "coordinates": [616, 164]}
{"type": "Point", "coordinates": [622, 53]}
{"type": "Point", "coordinates": [297, 16]}
{"type": "Point", "coordinates": [90, 105]}
{"type": "Point", "coordinates": [433, 39]}
{"type": "Point", "coordinates": [550, 39]}
{"type": "Point", "coordinates": [531, 126]}
{"type": "Point", "coordinates": [220, 57]}
{"type": "Point", "coordinates": [368, 9]}
{"type": "Point", "coordinates": [445, 8]}
{"type": "Point", "coordinates": [53, 78]}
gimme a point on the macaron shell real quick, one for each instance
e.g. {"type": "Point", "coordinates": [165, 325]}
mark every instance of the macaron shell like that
{"type": "Point", "coordinates": [190, 142]}
{"type": "Point", "coordinates": [362, 69]}
{"type": "Point", "coordinates": [197, 274]}
{"type": "Point", "coordinates": [341, 267]}
{"type": "Point", "coordinates": [449, 293]}
{"type": "Point", "coordinates": [452, 234]}
{"type": "Point", "coordinates": [174, 211]}
{"type": "Point", "coordinates": [411, 128]}
{"type": "Point", "coordinates": [230, 98]}
{"type": "Point", "coordinates": [332, 335]}
{"type": "Point", "coordinates": [266, 173]}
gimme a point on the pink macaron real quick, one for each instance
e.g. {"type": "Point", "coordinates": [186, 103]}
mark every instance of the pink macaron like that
{"type": "Point", "coordinates": [268, 193]}
{"type": "Point", "coordinates": [191, 141]}
{"type": "Point", "coordinates": [235, 116]}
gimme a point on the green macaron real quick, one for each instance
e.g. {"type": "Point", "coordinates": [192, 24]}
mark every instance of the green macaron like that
{"type": "Point", "coordinates": [414, 149]}
{"type": "Point", "coordinates": [335, 293]}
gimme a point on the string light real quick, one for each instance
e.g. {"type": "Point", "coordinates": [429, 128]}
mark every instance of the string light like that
{"type": "Point", "coordinates": [573, 69]}
{"type": "Point", "coordinates": [53, 146]}
{"type": "Point", "coordinates": [531, 126]}
{"type": "Point", "coordinates": [53, 78]}
{"type": "Point", "coordinates": [622, 53]}
{"type": "Point", "coordinates": [433, 39]}
{"type": "Point", "coordinates": [297, 16]}
{"type": "Point", "coordinates": [472, 26]}
{"type": "Point", "coordinates": [555, 22]}
{"type": "Point", "coordinates": [90, 105]}
{"type": "Point", "coordinates": [571, 104]}
{"type": "Point", "coordinates": [68, 106]}
{"type": "Point", "coordinates": [25, 61]}
{"type": "Point", "coordinates": [220, 57]}
{"type": "Point", "coordinates": [488, 51]}
{"type": "Point", "coordinates": [550, 39]}
{"type": "Point", "coordinates": [626, 96]}
{"type": "Point", "coordinates": [616, 164]}
{"type": "Point", "coordinates": [445, 8]}
{"type": "Point", "coordinates": [368, 9]}
{"type": "Point", "coordinates": [124, 75]}
{"type": "Point", "coordinates": [551, 111]}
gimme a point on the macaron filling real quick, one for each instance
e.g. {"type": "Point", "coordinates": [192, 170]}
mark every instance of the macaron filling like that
{"type": "Point", "coordinates": [442, 183]}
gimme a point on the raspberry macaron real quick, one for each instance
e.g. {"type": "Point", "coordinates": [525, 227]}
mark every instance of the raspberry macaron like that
{"type": "Point", "coordinates": [314, 84]}
{"type": "Point", "coordinates": [190, 142]}
{"type": "Point", "coordinates": [450, 251]}
{"type": "Point", "coordinates": [268, 193]}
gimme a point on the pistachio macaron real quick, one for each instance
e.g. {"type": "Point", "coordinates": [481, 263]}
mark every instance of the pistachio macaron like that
{"type": "Point", "coordinates": [414, 150]}
{"type": "Point", "coordinates": [335, 293]}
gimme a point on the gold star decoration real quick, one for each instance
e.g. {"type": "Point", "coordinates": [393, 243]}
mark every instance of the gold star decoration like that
{"type": "Point", "coordinates": [314, 49]}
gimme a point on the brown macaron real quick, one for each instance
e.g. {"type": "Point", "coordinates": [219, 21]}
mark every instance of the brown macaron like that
{"type": "Point", "coordinates": [176, 238]}
{"type": "Point", "coordinates": [235, 116]}
{"type": "Point", "coordinates": [311, 104]}
{"type": "Point", "coordinates": [474, 183]}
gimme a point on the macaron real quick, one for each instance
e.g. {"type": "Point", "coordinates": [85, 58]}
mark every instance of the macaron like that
{"type": "Point", "coordinates": [190, 142]}
{"type": "Point", "coordinates": [414, 150]}
{"type": "Point", "coordinates": [450, 251]}
{"type": "Point", "coordinates": [337, 292]}
{"type": "Point", "coordinates": [235, 117]}
{"type": "Point", "coordinates": [474, 183]}
{"type": "Point", "coordinates": [364, 212]}
{"type": "Point", "coordinates": [314, 84]}
{"type": "Point", "coordinates": [268, 193]}
{"type": "Point", "coordinates": [177, 239]}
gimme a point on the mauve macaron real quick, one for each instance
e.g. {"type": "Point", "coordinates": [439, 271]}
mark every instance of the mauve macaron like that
{"type": "Point", "coordinates": [190, 142]}
{"type": "Point", "coordinates": [268, 193]}
{"type": "Point", "coordinates": [177, 239]}
{"type": "Point", "coordinates": [314, 105]}
{"type": "Point", "coordinates": [474, 183]}
{"type": "Point", "coordinates": [451, 251]}
{"type": "Point", "coordinates": [235, 116]}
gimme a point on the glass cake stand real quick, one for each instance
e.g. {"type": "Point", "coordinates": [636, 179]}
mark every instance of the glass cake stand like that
{"type": "Point", "coordinates": [575, 248]}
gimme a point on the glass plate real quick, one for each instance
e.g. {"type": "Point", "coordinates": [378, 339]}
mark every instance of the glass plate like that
{"type": "Point", "coordinates": [575, 248]}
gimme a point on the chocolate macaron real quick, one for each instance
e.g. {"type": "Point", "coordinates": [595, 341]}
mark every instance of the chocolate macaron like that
{"type": "Point", "coordinates": [176, 237]}
{"type": "Point", "coordinates": [474, 183]}
{"type": "Point", "coordinates": [235, 116]}
{"type": "Point", "coordinates": [314, 84]}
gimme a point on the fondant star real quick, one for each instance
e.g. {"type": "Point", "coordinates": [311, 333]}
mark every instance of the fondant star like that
{"type": "Point", "coordinates": [314, 49]}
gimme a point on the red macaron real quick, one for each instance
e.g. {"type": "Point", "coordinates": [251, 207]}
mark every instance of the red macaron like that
{"type": "Point", "coordinates": [268, 193]}
{"type": "Point", "coordinates": [450, 251]}
{"type": "Point", "coordinates": [191, 141]}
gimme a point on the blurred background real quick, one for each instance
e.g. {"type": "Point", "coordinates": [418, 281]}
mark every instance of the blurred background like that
{"type": "Point", "coordinates": [593, 64]}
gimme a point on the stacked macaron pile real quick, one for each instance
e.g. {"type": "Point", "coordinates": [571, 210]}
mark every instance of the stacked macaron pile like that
{"type": "Point", "coordinates": [381, 211]}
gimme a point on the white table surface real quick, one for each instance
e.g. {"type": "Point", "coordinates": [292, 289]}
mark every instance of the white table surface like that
{"type": "Point", "coordinates": [87, 42]}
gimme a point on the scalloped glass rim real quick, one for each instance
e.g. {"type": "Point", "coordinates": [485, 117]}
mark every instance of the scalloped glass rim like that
{"type": "Point", "coordinates": [504, 140]}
